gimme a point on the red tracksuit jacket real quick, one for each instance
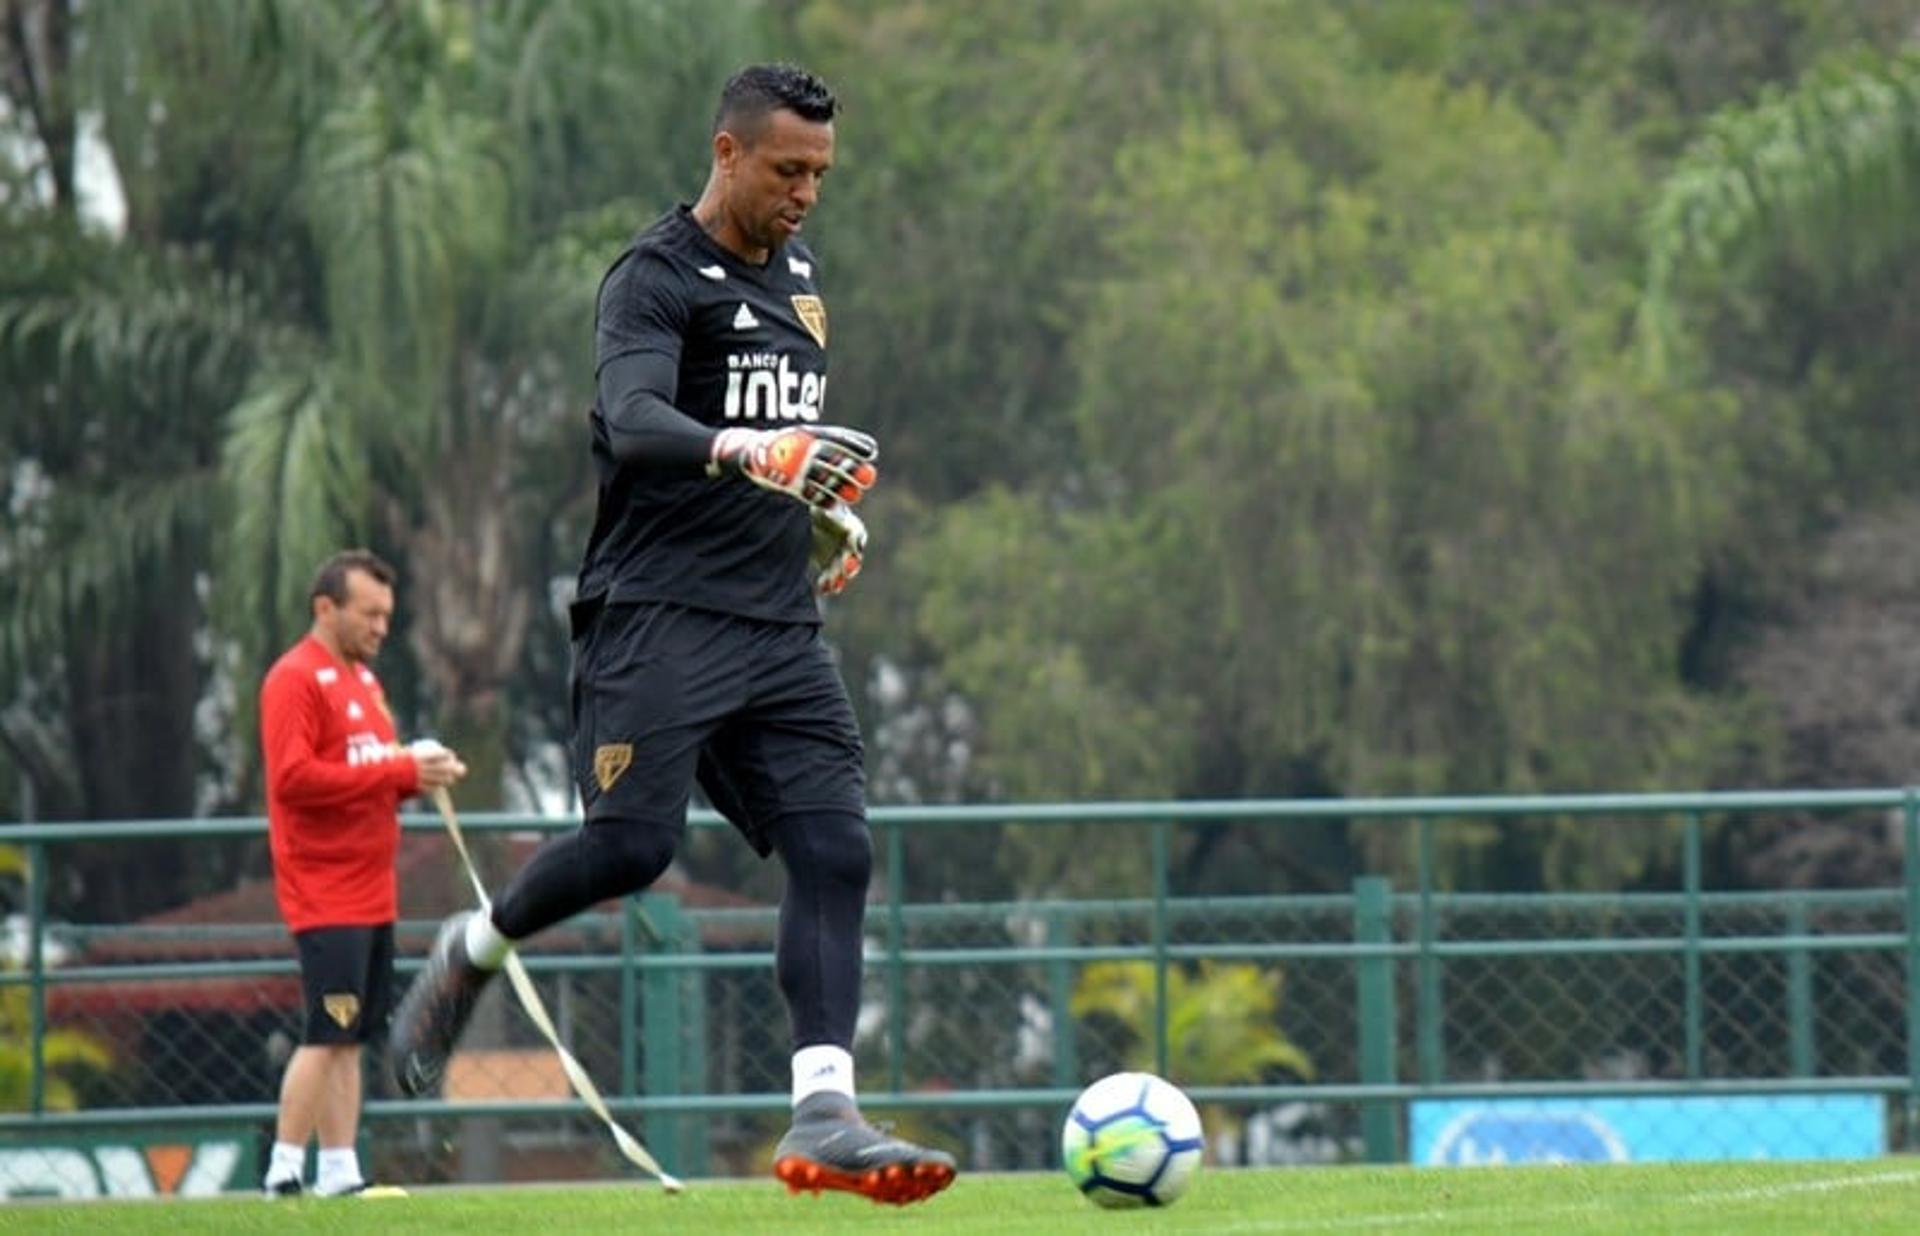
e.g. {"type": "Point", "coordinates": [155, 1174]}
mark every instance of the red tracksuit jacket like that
{"type": "Point", "coordinates": [335, 780]}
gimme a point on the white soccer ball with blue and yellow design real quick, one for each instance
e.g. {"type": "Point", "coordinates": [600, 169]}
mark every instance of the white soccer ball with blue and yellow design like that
{"type": "Point", "coordinates": [1132, 1139]}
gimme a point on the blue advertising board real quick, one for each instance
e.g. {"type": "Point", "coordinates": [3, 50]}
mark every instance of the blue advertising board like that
{"type": "Point", "coordinates": [1464, 1132]}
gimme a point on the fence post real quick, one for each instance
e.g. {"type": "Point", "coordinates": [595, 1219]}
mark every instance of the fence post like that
{"type": "Point", "coordinates": [662, 1023]}
{"type": "Point", "coordinates": [629, 997]}
{"type": "Point", "coordinates": [37, 974]}
{"type": "Point", "coordinates": [694, 1077]}
{"type": "Point", "coordinates": [1066, 1054]}
{"type": "Point", "coordinates": [1428, 1014]}
{"type": "Point", "coordinates": [1373, 977]}
{"type": "Point", "coordinates": [1911, 836]}
{"type": "Point", "coordinates": [1690, 868]}
{"type": "Point", "coordinates": [1160, 1052]}
{"type": "Point", "coordinates": [1800, 1048]}
{"type": "Point", "coordinates": [896, 972]}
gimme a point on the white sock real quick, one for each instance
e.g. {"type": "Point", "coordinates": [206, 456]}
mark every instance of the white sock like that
{"type": "Point", "coordinates": [820, 1068]}
{"type": "Point", "coordinates": [486, 947]}
{"type": "Point", "coordinates": [289, 1162]}
{"type": "Point", "coordinates": [339, 1170]}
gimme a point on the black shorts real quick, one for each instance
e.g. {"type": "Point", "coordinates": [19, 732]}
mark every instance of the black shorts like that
{"type": "Point", "coordinates": [755, 710]}
{"type": "Point", "coordinates": [347, 976]}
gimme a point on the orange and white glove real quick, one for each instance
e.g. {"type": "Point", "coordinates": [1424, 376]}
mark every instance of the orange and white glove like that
{"type": "Point", "coordinates": [819, 465]}
{"type": "Point", "coordinates": [839, 546]}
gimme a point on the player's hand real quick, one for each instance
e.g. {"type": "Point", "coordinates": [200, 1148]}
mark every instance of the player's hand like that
{"type": "Point", "coordinates": [438, 767]}
{"type": "Point", "coordinates": [818, 465]}
{"type": "Point", "coordinates": [839, 546]}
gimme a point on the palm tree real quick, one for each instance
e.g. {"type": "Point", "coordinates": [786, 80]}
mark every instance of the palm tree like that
{"type": "Point", "coordinates": [455, 283]}
{"type": "Point", "coordinates": [412, 210]}
{"type": "Point", "coordinates": [1828, 172]}
{"type": "Point", "coordinates": [115, 366]}
{"type": "Point", "coordinates": [1222, 1019]}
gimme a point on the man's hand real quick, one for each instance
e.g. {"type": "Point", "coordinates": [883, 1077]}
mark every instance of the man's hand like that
{"type": "Point", "coordinates": [819, 465]}
{"type": "Point", "coordinates": [437, 765]}
{"type": "Point", "coordinates": [839, 545]}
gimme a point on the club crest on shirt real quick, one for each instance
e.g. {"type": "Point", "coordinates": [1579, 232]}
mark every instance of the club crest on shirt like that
{"type": "Point", "coordinates": [610, 759]}
{"type": "Point", "coordinates": [813, 316]}
{"type": "Point", "coordinates": [342, 1006]}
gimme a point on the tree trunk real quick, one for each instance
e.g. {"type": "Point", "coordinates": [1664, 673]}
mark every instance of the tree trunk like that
{"type": "Point", "coordinates": [133, 687]}
{"type": "Point", "coordinates": [38, 50]}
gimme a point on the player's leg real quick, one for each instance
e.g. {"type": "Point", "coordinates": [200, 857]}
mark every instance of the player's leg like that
{"type": "Point", "coordinates": [794, 763]}
{"type": "Point", "coordinates": [334, 983]}
{"type": "Point", "coordinates": [645, 699]}
{"type": "Point", "coordinates": [339, 1172]}
{"type": "Point", "coordinates": [301, 1088]}
{"type": "Point", "coordinates": [337, 1167]}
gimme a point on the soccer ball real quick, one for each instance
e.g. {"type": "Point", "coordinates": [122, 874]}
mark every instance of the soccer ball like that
{"type": "Point", "coordinates": [1131, 1139]}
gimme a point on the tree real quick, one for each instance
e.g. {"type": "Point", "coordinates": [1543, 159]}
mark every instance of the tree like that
{"type": "Point", "coordinates": [1822, 175]}
{"type": "Point", "coordinates": [449, 274]}
{"type": "Point", "coordinates": [1370, 498]}
{"type": "Point", "coordinates": [389, 207]}
{"type": "Point", "coordinates": [344, 313]}
{"type": "Point", "coordinates": [1793, 221]}
{"type": "Point", "coordinates": [1221, 1019]}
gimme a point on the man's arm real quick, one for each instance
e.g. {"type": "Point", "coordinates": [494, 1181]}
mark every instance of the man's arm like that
{"type": "Point", "coordinates": [820, 465]}
{"type": "Point", "coordinates": [644, 429]}
{"type": "Point", "coordinates": [639, 332]}
{"type": "Point", "coordinates": [296, 775]}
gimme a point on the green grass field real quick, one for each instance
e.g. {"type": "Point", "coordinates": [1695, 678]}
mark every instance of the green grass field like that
{"type": "Point", "coordinates": [1751, 1199]}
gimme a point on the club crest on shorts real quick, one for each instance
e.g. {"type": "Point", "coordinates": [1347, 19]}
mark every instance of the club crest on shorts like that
{"type": "Point", "coordinates": [813, 316]}
{"type": "Point", "coordinates": [610, 759]}
{"type": "Point", "coordinates": [342, 1006]}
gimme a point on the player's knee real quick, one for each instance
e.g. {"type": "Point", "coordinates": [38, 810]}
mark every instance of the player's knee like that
{"type": "Point", "coordinates": [843, 850]}
{"type": "Point", "coordinates": [630, 853]}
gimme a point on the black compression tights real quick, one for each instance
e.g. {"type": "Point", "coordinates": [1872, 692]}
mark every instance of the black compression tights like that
{"type": "Point", "coordinates": [829, 859]}
{"type": "Point", "coordinates": [581, 869]}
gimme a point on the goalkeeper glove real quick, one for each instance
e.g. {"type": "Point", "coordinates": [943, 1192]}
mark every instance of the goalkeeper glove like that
{"type": "Point", "coordinates": [818, 466]}
{"type": "Point", "coordinates": [839, 545]}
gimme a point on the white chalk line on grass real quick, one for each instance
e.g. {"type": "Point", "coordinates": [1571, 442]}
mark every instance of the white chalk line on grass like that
{"type": "Point", "coordinates": [1480, 1216]}
{"type": "Point", "coordinates": [1764, 1193]}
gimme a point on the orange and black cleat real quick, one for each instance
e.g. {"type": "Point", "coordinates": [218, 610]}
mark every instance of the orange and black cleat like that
{"type": "Point", "coordinates": [830, 1147]}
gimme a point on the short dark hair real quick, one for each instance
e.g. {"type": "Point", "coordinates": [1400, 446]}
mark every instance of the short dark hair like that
{"type": "Point", "coordinates": [330, 581]}
{"type": "Point", "coordinates": [761, 89]}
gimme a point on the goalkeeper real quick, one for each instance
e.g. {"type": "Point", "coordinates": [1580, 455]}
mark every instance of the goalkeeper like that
{"type": "Point", "coordinates": [724, 510]}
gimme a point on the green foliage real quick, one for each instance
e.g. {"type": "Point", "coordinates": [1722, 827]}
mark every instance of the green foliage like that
{"type": "Point", "coordinates": [1371, 495]}
{"type": "Point", "coordinates": [1825, 173]}
{"type": "Point", "coordinates": [62, 1051]}
{"type": "Point", "coordinates": [63, 1054]}
{"type": "Point", "coordinates": [1222, 1019]}
{"type": "Point", "coordinates": [1259, 384]}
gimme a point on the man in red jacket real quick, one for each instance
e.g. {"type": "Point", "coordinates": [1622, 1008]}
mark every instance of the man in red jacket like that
{"type": "Point", "coordinates": [335, 778]}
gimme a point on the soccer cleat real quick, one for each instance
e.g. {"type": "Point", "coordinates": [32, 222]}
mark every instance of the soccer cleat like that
{"type": "Point", "coordinates": [831, 1147]}
{"type": "Point", "coordinates": [290, 1187]}
{"type": "Point", "coordinates": [435, 1010]}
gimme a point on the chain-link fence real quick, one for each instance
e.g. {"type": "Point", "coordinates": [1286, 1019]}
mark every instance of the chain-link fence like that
{"type": "Point", "coordinates": [1387, 1020]}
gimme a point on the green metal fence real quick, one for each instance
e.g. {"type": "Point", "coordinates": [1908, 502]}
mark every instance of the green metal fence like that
{"type": "Point", "coordinates": [1407, 1004]}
